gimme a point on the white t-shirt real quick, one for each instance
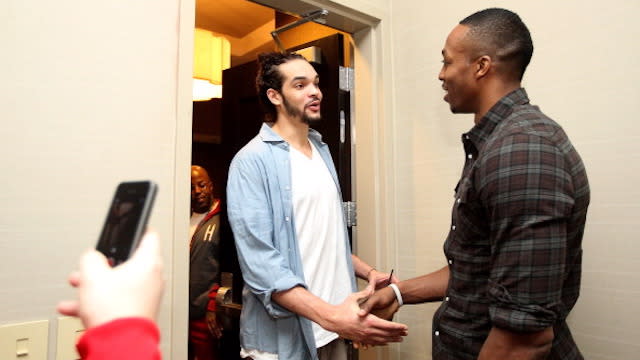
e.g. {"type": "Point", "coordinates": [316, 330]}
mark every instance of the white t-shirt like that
{"type": "Point", "coordinates": [317, 211]}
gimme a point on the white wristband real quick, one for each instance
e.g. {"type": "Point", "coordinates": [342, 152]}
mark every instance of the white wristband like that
{"type": "Point", "coordinates": [395, 289]}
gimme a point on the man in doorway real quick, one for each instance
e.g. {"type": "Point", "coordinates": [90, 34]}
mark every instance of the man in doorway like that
{"type": "Point", "coordinates": [285, 210]}
{"type": "Point", "coordinates": [204, 267]}
{"type": "Point", "coordinates": [514, 246]}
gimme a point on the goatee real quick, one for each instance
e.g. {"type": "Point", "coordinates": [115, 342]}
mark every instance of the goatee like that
{"type": "Point", "coordinates": [311, 120]}
{"type": "Point", "coordinates": [293, 112]}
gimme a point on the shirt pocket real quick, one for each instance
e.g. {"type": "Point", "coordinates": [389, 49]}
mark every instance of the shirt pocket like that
{"type": "Point", "coordinates": [468, 240]}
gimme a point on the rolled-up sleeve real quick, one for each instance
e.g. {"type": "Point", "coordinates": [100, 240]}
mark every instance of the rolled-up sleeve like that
{"type": "Point", "coordinates": [528, 197]}
{"type": "Point", "coordinates": [250, 206]}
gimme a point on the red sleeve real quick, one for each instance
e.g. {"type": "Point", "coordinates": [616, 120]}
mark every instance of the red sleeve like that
{"type": "Point", "coordinates": [121, 339]}
{"type": "Point", "coordinates": [211, 306]}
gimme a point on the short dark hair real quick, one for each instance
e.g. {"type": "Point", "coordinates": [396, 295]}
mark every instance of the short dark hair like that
{"type": "Point", "coordinates": [269, 77]}
{"type": "Point", "coordinates": [501, 34]}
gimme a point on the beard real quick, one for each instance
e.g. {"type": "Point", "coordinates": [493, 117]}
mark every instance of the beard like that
{"type": "Point", "coordinates": [202, 206]}
{"type": "Point", "coordinates": [293, 112]}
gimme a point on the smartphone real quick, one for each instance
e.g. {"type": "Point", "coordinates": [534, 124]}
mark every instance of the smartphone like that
{"type": "Point", "coordinates": [126, 220]}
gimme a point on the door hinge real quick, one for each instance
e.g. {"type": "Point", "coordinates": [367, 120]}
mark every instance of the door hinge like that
{"type": "Point", "coordinates": [346, 78]}
{"type": "Point", "coordinates": [350, 213]}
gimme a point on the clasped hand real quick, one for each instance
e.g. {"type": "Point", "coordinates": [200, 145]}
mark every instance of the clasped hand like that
{"type": "Point", "coordinates": [364, 328]}
{"type": "Point", "coordinates": [374, 306]}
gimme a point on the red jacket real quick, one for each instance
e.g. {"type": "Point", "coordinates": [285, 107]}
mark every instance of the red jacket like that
{"type": "Point", "coordinates": [121, 339]}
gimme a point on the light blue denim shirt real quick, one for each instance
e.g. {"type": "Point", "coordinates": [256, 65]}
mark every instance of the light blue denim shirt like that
{"type": "Point", "coordinates": [261, 216]}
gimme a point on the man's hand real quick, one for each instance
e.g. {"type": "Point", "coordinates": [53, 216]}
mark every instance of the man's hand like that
{"type": "Point", "coordinates": [367, 329]}
{"type": "Point", "coordinates": [379, 305]}
{"type": "Point", "coordinates": [378, 280]}
{"type": "Point", "coordinates": [382, 303]}
{"type": "Point", "coordinates": [214, 326]}
{"type": "Point", "coordinates": [343, 318]}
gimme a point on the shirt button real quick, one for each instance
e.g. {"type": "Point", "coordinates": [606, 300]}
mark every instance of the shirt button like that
{"type": "Point", "coordinates": [470, 156]}
{"type": "Point", "coordinates": [437, 333]}
{"type": "Point", "coordinates": [450, 262]}
{"type": "Point", "coordinates": [446, 299]}
{"type": "Point", "coordinates": [453, 228]}
{"type": "Point", "coordinates": [458, 200]}
{"type": "Point", "coordinates": [286, 218]}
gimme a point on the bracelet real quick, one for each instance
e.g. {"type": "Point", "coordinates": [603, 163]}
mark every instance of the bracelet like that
{"type": "Point", "coordinates": [369, 272]}
{"type": "Point", "coordinates": [395, 289]}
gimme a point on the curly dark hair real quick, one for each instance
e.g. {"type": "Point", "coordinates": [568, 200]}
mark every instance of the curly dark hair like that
{"type": "Point", "coordinates": [269, 77]}
{"type": "Point", "coordinates": [501, 34]}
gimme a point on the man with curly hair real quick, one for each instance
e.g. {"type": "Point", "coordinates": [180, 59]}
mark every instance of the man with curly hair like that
{"type": "Point", "coordinates": [285, 209]}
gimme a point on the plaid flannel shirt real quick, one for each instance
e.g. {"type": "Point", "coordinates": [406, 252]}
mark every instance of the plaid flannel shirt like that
{"type": "Point", "coordinates": [514, 247]}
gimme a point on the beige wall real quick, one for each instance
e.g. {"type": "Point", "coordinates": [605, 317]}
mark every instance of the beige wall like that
{"type": "Point", "coordinates": [90, 97]}
{"type": "Point", "coordinates": [584, 74]}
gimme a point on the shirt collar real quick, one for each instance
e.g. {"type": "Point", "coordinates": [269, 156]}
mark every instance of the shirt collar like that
{"type": "Point", "coordinates": [501, 110]}
{"type": "Point", "coordinates": [268, 135]}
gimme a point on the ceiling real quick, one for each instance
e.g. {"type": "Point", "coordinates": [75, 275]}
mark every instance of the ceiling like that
{"type": "Point", "coordinates": [245, 24]}
{"type": "Point", "coordinates": [236, 18]}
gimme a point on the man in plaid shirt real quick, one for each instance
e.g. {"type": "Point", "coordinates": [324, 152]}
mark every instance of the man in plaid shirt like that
{"type": "Point", "coordinates": [514, 247]}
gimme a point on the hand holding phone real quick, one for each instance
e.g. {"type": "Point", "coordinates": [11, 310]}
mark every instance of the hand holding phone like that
{"type": "Point", "coordinates": [133, 289]}
{"type": "Point", "coordinates": [126, 220]}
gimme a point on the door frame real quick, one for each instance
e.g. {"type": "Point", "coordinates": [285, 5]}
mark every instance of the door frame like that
{"type": "Point", "coordinates": [373, 167]}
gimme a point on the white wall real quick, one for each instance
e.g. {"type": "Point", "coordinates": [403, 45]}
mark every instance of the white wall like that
{"type": "Point", "coordinates": [89, 98]}
{"type": "Point", "coordinates": [584, 74]}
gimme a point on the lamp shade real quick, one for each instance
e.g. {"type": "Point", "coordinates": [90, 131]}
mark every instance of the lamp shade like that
{"type": "Point", "coordinates": [211, 55]}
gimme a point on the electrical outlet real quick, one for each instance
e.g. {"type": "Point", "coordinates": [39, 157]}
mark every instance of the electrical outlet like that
{"type": "Point", "coordinates": [25, 341]}
{"type": "Point", "coordinates": [69, 330]}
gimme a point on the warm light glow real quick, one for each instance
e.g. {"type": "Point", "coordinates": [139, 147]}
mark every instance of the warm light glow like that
{"type": "Point", "coordinates": [203, 90]}
{"type": "Point", "coordinates": [211, 55]}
